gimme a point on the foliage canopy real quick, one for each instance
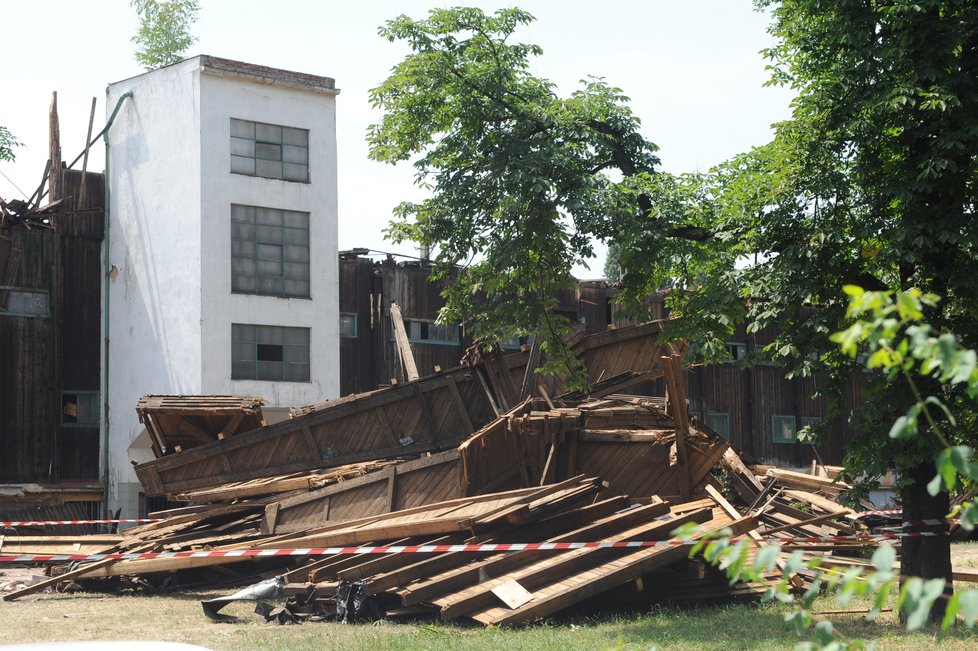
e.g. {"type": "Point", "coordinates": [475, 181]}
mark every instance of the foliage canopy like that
{"type": "Point", "coordinates": [871, 182]}
{"type": "Point", "coordinates": [164, 34]}
{"type": "Point", "coordinates": [7, 144]}
{"type": "Point", "coordinates": [522, 179]}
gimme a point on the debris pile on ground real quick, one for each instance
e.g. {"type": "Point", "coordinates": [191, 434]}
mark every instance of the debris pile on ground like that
{"type": "Point", "coordinates": [470, 493]}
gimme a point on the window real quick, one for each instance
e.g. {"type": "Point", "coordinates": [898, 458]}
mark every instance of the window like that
{"type": "Point", "coordinates": [348, 325]}
{"type": "Point", "coordinates": [736, 351]}
{"type": "Point", "coordinates": [426, 332]}
{"type": "Point", "coordinates": [513, 343]}
{"type": "Point", "coordinates": [719, 423]}
{"type": "Point", "coordinates": [23, 302]}
{"type": "Point", "coordinates": [269, 251]}
{"type": "Point", "coordinates": [269, 150]}
{"type": "Point", "coordinates": [276, 353]}
{"type": "Point", "coordinates": [783, 429]}
{"type": "Point", "coordinates": [80, 408]}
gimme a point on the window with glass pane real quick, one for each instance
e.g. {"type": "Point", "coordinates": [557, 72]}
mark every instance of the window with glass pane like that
{"type": "Point", "coordinates": [719, 423]}
{"type": "Point", "coordinates": [269, 150]}
{"type": "Point", "coordinates": [23, 302]}
{"type": "Point", "coordinates": [80, 408]}
{"type": "Point", "coordinates": [269, 251]}
{"type": "Point", "coordinates": [348, 325]}
{"type": "Point", "coordinates": [276, 353]}
{"type": "Point", "coordinates": [784, 429]}
{"type": "Point", "coordinates": [427, 332]}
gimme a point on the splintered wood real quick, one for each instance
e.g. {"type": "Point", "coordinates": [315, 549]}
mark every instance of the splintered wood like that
{"type": "Point", "coordinates": [479, 454]}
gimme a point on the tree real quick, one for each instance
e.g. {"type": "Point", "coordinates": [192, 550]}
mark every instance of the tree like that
{"type": "Point", "coordinates": [7, 144]}
{"type": "Point", "coordinates": [521, 178]}
{"type": "Point", "coordinates": [872, 182]}
{"type": "Point", "coordinates": [164, 31]}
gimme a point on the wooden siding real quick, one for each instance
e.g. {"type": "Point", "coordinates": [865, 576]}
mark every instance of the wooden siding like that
{"type": "Point", "coordinates": [43, 357]}
{"type": "Point", "coordinates": [433, 413]}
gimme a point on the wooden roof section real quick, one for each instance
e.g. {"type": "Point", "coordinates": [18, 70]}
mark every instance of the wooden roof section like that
{"type": "Point", "coordinates": [178, 423]}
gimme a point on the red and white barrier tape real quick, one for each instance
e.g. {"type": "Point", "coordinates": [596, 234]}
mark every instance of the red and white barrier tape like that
{"type": "Point", "coordinates": [55, 523]}
{"type": "Point", "coordinates": [881, 512]}
{"type": "Point", "coordinates": [932, 522]}
{"type": "Point", "coordinates": [437, 549]}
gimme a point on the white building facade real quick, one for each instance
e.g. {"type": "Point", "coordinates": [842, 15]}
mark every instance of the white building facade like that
{"type": "Point", "coordinates": [222, 245]}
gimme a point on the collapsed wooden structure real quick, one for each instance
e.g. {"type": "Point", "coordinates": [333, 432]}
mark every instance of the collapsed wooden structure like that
{"type": "Point", "coordinates": [476, 454]}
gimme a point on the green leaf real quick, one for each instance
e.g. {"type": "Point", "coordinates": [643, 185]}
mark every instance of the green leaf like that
{"type": "Point", "coordinates": [903, 428]}
{"type": "Point", "coordinates": [801, 621]}
{"type": "Point", "coordinates": [968, 606]}
{"type": "Point", "coordinates": [884, 557]}
{"type": "Point", "coordinates": [961, 459]}
{"type": "Point", "coordinates": [880, 602]}
{"type": "Point", "coordinates": [823, 635]}
{"type": "Point", "coordinates": [917, 598]}
{"type": "Point", "coordinates": [935, 485]}
{"type": "Point", "coordinates": [931, 400]}
{"type": "Point", "coordinates": [767, 557]}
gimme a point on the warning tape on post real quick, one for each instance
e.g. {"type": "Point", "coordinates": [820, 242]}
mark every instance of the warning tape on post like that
{"type": "Point", "coordinates": [440, 549]}
{"type": "Point", "coordinates": [65, 523]}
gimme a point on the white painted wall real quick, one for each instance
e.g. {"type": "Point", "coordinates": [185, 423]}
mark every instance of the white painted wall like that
{"type": "Point", "coordinates": [222, 99]}
{"type": "Point", "coordinates": [154, 234]}
{"type": "Point", "coordinates": [171, 306]}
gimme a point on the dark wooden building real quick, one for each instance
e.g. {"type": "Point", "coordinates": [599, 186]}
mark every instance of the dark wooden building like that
{"type": "Point", "coordinates": [368, 352]}
{"type": "Point", "coordinates": [50, 288]}
{"type": "Point", "coordinates": [756, 408]}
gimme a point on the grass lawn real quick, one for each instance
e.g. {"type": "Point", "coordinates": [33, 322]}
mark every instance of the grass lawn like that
{"type": "Point", "coordinates": [178, 618]}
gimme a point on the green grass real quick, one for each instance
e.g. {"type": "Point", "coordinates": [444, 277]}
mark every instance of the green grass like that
{"type": "Point", "coordinates": [178, 618]}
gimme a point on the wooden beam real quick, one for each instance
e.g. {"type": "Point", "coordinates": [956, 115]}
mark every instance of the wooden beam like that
{"type": "Point", "coordinates": [530, 375]}
{"type": "Point", "coordinates": [80, 204]}
{"type": "Point", "coordinates": [403, 345]}
{"type": "Point", "coordinates": [676, 386]}
{"type": "Point", "coordinates": [54, 151]}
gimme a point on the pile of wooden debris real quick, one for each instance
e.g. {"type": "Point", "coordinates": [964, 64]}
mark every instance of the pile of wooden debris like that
{"type": "Point", "coordinates": [459, 494]}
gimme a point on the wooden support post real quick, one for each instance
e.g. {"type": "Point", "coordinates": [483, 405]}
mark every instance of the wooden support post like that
{"type": "Point", "coordinates": [403, 345]}
{"type": "Point", "coordinates": [530, 376]}
{"type": "Point", "coordinates": [80, 204]}
{"type": "Point", "coordinates": [54, 151]}
{"type": "Point", "coordinates": [676, 387]}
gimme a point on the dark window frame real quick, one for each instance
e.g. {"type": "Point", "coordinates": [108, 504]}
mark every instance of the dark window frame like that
{"type": "Point", "coordinates": [247, 261]}
{"type": "Point", "coordinates": [777, 419]}
{"type": "Point", "coordinates": [9, 292]}
{"type": "Point", "coordinates": [268, 353]}
{"type": "Point", "coordinates": [350, 333]}
{"type": "Point", "coordinates": [271, 151]}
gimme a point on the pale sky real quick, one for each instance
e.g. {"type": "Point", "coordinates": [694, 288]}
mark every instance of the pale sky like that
{"type": "Point", "coordinates": [692, 69]}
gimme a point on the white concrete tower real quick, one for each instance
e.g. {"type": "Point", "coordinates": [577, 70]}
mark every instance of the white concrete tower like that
{"type": "Point", "coordinates": [222, 244]}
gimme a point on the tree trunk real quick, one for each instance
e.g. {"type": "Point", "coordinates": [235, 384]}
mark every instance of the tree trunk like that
{"type": "Point", "coordinates": [927, 557]}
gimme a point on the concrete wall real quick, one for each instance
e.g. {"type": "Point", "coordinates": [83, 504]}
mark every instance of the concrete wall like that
{"type": "Point", "coordinates": [171, 189]}
{"type": "Point", "coordinates": [154, 251]}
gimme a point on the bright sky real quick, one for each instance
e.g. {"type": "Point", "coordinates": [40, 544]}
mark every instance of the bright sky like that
{"type": "Point", "coordinates": [691, 67]}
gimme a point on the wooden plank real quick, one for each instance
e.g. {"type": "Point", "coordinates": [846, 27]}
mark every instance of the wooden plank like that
{"type": "Point", "coordinates": [460, 406]}
{"type": "Point", "coordinates": [403, 345]}
{"type": "Point", "coordinates": [465, 574]}
{"type": "Point", "coordinates": [87, 570]}
{"type": "Point", "coordinates": [602, 578]}
{"type": "Point", "coordinates": [567, 564]}
{"type": "Point", "coordinates": [512, 593]}
{"type": "Point", "coordinates": [625, 436]}
{"type": "Point", "coordinates": [530, 375]}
